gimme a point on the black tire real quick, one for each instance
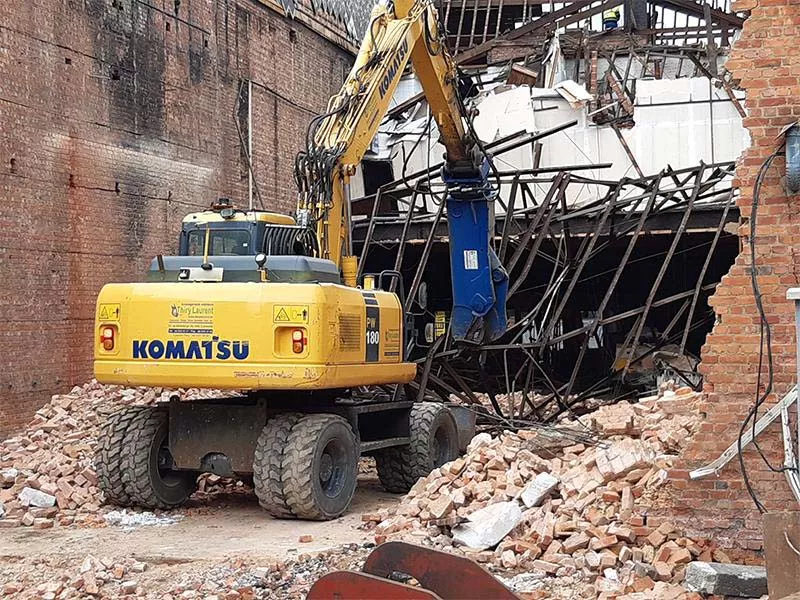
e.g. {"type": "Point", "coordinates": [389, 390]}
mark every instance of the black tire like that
{"type": "Point", "coordinates": [108, 458]}
{"type": "Point", "coordinates": [147, 469]}
{"type": "Point", "coordinates": [391, 472]}
{"type": "Point", "coordinates": [320, 467]}
{"type": "Point", "coordinates": [434, 442]}
{"type": "Point", "coordinates": [268, 463]}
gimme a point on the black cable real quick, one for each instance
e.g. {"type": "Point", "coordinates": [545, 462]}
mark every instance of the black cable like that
{"type": "Point", "coordinates": [437, 199]}
{"type": "Point", "coordinates": [765, 330]}
{"type": "Point", "coordinates": [471, 128]}
{"type": "Point", "coordinates": [429, 37]}
{"type": "Point", "coordinates": [765, 339]}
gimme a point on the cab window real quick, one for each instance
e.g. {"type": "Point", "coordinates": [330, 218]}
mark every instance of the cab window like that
{"type": "Point", "coordinates": [221, 242]}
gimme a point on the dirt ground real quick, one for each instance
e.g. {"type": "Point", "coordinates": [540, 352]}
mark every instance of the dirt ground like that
{"type": "Point", "coordinates": [228, 532]}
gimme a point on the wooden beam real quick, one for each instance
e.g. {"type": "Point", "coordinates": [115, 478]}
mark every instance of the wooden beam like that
{"type": "Point", "coordinates": [481, 49]}
{"type": "Point", "coordinates": [627, 149]}
{"type": "Point", "coordinates": [711, 45]}
{"type": "Point", "coordinates": [696, 9]}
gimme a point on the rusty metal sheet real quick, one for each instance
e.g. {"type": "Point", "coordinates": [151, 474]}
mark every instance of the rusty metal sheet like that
{"type": "Point", "coordinates": [351, 585]}
{"type": "Point", "coordinates": [451, 577]}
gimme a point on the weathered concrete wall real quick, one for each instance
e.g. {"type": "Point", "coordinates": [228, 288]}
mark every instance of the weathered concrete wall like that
{"type": "Point", "coordinates": [116, 118]}
{"type": "Point", "coordinates": [767, 61]}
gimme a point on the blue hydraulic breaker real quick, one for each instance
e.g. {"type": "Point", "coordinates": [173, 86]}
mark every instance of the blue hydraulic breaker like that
{"type": "Point", "coordinates": [480, 283]}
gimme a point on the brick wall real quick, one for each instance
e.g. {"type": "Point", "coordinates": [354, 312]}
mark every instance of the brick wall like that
{"type": "Point", "coordinates": [116, 118]}
{"type": "Point", "coordinates": [767, 61]}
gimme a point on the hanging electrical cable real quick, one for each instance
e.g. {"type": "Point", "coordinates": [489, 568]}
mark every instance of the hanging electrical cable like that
{"type": "Point", "coordinates": [765, 342]}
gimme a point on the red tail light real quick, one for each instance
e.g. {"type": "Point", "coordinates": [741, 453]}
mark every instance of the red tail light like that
{"type": "Point", "coordinates": [299, 341]}
{"type": "Point", "coordinates": [108, 336]}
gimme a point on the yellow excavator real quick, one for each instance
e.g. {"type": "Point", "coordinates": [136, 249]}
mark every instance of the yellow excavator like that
{"type": "Point", "coordinates": [289, 328]}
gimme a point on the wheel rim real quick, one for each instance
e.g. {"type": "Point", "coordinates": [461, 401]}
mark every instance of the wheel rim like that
{"type": "Point", "coordinates": [441, 447]}
{"type": "Point", "coordinates": [167, 476]}
{"type": "Point", "coordinates": [333, 468]}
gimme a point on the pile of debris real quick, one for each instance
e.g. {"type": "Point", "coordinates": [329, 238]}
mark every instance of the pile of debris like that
{"type": "Point", "coordinates": [536, 501]}
{"type": "Point", "coordinates": [93, 574]}
{"type": "Point", "coordinates": [46, 472]}
{"type": "Point", "coordinates": [231, 579]}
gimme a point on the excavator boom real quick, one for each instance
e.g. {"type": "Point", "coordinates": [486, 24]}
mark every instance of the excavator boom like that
{"type": "Point", "coordinates": [399, 33]}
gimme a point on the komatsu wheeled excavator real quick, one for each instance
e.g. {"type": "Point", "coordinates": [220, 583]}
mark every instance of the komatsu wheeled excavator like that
{"type": "Point", "coordinates": [290, 329]}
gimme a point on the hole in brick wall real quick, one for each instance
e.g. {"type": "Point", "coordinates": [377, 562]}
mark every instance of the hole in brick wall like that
{"type": "Point", "coordinates": [205, 43]}
{"type": "Point", "coordinates": [117, 188]}
{"type": "Point", "coordinates": [13, 165]}
{"type": "Point", "coordinates": [67, 61]}
{"type": "Point", "coordinates": [177, 6]}
{"type": "Point", "coordinates": [71, 180]}
{"type": "Point", "coordinates": [168, 26]}
{"type": "Point", "coordinates": [292, 36]}
{"type": "Point", "coordinates": [115, 73]}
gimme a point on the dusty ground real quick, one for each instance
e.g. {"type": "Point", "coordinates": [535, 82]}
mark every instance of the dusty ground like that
{"type": "Point", "coordinates": [223, 537]}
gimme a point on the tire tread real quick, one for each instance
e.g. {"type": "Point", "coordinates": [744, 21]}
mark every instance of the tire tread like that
{"type": "Point", "coordinates": [298, 474]}
{"type": "Point", "coordinates": [268, 465]}
{"type": "Point", "coordinates": [109, 456]}
{"type": "Point", "coordinates": [400, 467]}
{"type": "Point", "coordinates": [136, 461]}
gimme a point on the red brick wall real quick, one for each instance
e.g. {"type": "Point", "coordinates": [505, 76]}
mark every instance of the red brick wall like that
{"type": "Point", "coordinates": [116, 118]}
{"type": "Point", "coordinates": [767, 61]}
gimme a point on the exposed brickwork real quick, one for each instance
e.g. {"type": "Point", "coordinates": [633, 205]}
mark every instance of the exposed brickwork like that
{"type": "Point", "coordinates": [767, 61]}
{"type": "Point", "coordinates": [118, 118]}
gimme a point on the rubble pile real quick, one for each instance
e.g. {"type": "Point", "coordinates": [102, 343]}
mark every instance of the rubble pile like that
{"type": "Point", "coordinates": [520, 502]}
{"type": "Point", "coordinates": [234, 578]}
{"type": "Point", "coordinates": [95, 576]}
{"type": "Point", "coordinates": [46, 474]}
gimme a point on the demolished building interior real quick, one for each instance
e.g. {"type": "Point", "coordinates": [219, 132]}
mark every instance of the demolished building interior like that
{"type": "Point", "coordinates": [610, 266]}
{"type": "Point", "coordinates": [627, 159]}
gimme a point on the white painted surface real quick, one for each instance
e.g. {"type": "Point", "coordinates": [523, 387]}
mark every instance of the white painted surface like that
{"type": "Point", "coordinates": [675, 125]}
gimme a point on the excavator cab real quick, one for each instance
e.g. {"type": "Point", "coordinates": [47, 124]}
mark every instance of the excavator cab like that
{"type": "Point", "coordinates": [224, 230]}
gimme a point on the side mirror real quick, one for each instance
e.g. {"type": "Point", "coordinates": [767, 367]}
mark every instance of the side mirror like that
{"type": "Point", "coordinates": [261, 260]}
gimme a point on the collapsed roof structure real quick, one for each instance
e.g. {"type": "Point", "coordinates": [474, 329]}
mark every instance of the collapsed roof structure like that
{"type": "Point", "coordinates": [614, 146]}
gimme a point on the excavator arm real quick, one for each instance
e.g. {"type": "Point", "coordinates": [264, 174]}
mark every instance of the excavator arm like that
{"type": "Point", "coordinates": [399, 32]}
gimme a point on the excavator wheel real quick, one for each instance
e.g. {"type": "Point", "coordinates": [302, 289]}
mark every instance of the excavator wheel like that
{"type": "Point", "coordinates": [147, 466]}
{"type": "Point", "coordinates": [268, 464]}
{"type": "Point", "coordinates": [320, 466]}
{"type": "Point", "coordinates": [111, 449]}
{"type": "Point", "coordinates": [434, 442]}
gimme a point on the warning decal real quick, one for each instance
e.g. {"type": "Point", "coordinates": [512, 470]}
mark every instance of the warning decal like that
{"type": "Point", "coordinates": [290, 313]}
{"type": "Point", "coordinates": [471, 260]}
{"type": "Point", "coordinates": [109, 312]}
